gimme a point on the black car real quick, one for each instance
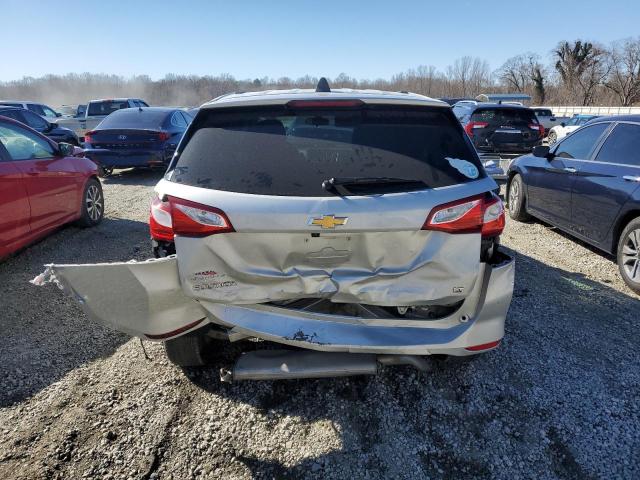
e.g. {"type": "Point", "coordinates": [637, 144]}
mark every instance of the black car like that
{"type": "Point", "coordinates": [51, 130]}
{"type": "Point", "coordinates": [500, 128]}
{"type": "Point", "coordinates": [588, 185]}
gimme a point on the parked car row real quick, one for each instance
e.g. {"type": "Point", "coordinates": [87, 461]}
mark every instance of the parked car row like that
{"type": "Point", "coordinates": [353, 221]}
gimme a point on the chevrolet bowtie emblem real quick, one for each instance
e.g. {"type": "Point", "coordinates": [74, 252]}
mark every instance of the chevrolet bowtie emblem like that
{"type": "Point", "coordinates": [327, 221]}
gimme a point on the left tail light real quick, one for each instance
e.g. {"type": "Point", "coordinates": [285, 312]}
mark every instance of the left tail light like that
{"type": "Point", "coordinates": [192, 219]}
{"type": "Point", "coordinates": [479, 214]}
{"type": "Point", "coordinates": [163, 136]}
{"type": "Point", "coordinates": [87, 136]}
{"type": "Point", "coordinates": [160, 220]}
{"type": "Point", "coordinates": [472, 126]}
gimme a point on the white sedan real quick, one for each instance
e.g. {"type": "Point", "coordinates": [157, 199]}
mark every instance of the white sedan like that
{"type": "Point", "coordinates": [560, 131]}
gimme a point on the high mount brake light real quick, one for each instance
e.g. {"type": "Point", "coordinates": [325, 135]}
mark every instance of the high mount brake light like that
{"type": "Point", "coordinates": [471, 126]}
{"type": "Point", "coordinates": [469, 215]}
{"type": "Point", "coordinates": [160, 220]}
{"type": "Point", "coordinates": [324, 103]}
{"type": "Point", "coordinates": [192, 219]}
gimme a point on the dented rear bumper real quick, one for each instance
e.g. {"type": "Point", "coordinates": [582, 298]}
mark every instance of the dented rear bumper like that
{"type": "Point", "coordinates": [146, 299]}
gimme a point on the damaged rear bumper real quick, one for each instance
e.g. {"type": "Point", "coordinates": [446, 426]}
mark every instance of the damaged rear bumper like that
{"type": "Point", "coordinates": [146, 299]}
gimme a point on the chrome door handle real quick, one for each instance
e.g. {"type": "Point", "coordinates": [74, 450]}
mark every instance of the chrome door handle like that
{"type": "Point", "coordinates": [631, 178]}
{"type": "Point", "coordinates": [570, 169]}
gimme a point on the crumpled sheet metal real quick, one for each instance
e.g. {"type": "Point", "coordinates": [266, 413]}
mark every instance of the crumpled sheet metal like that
{"type": "Point", "coordinates": [138, 298]}
{"type": "Point", "coordinates": [376, 268]}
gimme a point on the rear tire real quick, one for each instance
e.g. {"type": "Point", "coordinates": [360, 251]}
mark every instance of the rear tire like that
{"type": "Point", "coordinates": [628, 255]}
{"type": "Point", "coordinates": [517, 200]}
{"type": "Point", "coordinates": [92, 204]}
{"type": "Point", "coordinates": [190, 350]}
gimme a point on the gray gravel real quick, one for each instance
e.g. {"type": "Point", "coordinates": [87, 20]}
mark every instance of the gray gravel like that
{"type": "Point", "coordinates": [559, 398]}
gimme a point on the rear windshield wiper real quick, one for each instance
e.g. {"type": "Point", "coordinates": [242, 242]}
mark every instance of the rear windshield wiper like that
{"type": "Point", "coordinates": [357, 183]}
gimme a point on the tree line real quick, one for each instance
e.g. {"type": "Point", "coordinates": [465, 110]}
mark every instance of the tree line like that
{"type": "Point", "coordinates": [578, 73]}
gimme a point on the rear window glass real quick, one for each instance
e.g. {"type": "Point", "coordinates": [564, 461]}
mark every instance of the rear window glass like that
{"type": "Point", "coordinates": [543, 113]}
{"type": "Point", "coordinates": [280, 151]}
{"type": "Point", "coordinates": [504, 116]}
{"type": "Point", "coordinates": [106, 107]}
{"type": "Point", "coordinates": [135, 118]}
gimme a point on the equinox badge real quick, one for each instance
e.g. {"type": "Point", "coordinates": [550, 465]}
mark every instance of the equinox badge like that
{"type": "Point", "coordinates": [327, 221]}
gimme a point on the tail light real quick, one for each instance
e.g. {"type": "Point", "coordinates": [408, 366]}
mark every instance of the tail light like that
{"type": "Point", "coordinates": [160, 220]}
{"type": "Point", "coordinates": [162, 136]}
{"type": "Point", "coordinates": [324, 103]}
{"type": "Point", "coordinates": [470, 215]}
{"type": "Point", "coordinates": [196, 220]}
{"type": "Point", "coordinates": [538, 127]}
{"type": "Point", "coordinates": [471, 126]}
{"type": "Point", "coordinates": [493, 219]}
{"type": "Point", "coordinates": [87, 136]}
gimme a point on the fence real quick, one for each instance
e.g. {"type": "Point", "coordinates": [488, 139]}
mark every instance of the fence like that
{"type": "Point", "coordinates": [569, 111]}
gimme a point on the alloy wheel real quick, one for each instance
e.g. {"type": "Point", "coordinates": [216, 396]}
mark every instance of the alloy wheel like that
{"type": "Point", "coordinates": [514, 195]}
{"type": "Point", "coordinates": [631, 255]}
{"type": "Point", "coordinates": [94, 202]}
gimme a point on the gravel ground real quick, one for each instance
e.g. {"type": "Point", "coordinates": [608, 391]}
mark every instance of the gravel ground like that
{"type": "Point", "coordinates": [558, 399]}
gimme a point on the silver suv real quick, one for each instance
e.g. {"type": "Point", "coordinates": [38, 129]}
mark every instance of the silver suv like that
{"type": "Point", "coordinates": [359, 225]}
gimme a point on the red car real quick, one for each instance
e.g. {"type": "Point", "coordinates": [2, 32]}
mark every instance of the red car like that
{"type": "Point", "coordinates": [43, 185]}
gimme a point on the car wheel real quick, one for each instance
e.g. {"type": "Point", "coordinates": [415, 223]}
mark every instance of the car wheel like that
{"type": "Point", "coordinates": [629, 255]}
{"type": "Point", "coordinates": [552, 138]}
{"type": "Point", "coordinates": [189, 350]}
{"type": "Point", "coordinates": [92, 204]}
{"type": "Point", "coordinates": [516, 199]}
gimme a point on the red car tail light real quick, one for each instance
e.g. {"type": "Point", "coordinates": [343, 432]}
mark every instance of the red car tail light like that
{"type": "Point", "coordinates": [471, 126]}
{"type": "Point", "coordinates": [193, 219]}
{"type": "Point", "coordinates": [87, 136]}
{"type": "Point", "coordinates": [469, 215]}
{"type": "Point", "coordinates": [160, 224]}
{"type": "Point", "coordinates": [538, 127]}
{"type": "Point", "coordinates": [163, 136]}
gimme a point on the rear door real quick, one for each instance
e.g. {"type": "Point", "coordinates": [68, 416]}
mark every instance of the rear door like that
{"type": "Point", "coordinates": [550, 185]}
{"type": "Point", "coordinates": [51, 180]}
{"type": "Point", "coordinates": [603, 185]}
{"type": "Point", "coordinates": [14, 200]}
{"type": "Point", "coordinates": [263, 170]}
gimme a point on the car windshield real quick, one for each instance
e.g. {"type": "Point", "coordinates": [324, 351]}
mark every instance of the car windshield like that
{"type": "Point", "coordinates": [283, 151]}
{"type": "Point", "coordinates": [135, 118]}
{"type": "Point", "coordinates": [106, 107]}
{"type": "Point", "coordinates": [503, 116]}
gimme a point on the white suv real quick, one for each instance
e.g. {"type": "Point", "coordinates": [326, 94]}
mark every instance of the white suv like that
{"type": "Point", "coordinates": [356, 224]}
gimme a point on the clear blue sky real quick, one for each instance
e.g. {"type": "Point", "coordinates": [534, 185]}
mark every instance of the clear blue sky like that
{"type": "Point", "coordinates": [249, 39]}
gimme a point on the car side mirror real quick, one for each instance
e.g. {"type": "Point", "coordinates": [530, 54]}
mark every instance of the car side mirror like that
{"type": "Point", "coordinates": [58, 114]}
{"type": "Point", "coordinates": [553, 119]}
{"type": "Point", "coordinates": [563, 124]}
{"type": "Point", "coordinates": [541, 151]}
{"type": "Point", "coordinates": [66, 149]}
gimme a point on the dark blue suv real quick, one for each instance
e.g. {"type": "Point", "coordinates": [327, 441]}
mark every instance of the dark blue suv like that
{"type": "Point", "coordinates": [589, 186]}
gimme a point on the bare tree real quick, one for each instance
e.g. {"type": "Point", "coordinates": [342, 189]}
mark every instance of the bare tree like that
{"type": "Point", "coordinates": [624, 71]}
{"type": "Point", "coordinates": [582, 69]}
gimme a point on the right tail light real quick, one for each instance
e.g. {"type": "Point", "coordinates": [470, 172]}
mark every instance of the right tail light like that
{"type": "Point", "coordinates": [479, 214]}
